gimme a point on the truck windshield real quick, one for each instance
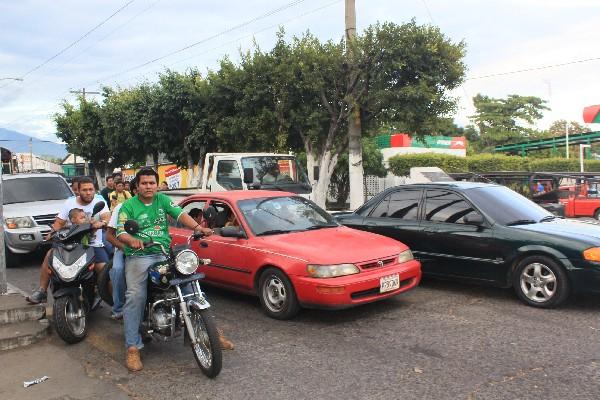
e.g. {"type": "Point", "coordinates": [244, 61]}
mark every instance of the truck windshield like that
{"type": "Point", "coordinates": [26, 190]}
{"type": "Point", "coordinates": [276, 170]}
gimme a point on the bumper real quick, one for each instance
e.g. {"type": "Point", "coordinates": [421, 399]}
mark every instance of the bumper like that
{"type": "Point", "coordinates": [585, 277]}
{"type": "Point", "coordinates": [351, 290]}
{"type": "Point", "coordinates": [25, 240]}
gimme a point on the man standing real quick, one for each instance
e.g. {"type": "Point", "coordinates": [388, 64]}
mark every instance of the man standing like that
{"type": "Point", "coordinates": [86, 201]}
{"type": "Point", "coordinates": [150, 210]}
{"type": "Point", "coordinates": [110, 186]}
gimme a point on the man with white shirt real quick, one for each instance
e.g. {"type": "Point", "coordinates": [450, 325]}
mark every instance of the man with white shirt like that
{"type": "Point", "coordinates": [86, 200]}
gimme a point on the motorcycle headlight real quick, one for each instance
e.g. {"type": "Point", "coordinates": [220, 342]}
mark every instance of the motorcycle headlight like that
{"type": "Point", "coordinates": [186, 262]}
{"type": "Point", "coordinates": [19, 222]}
{"type": "Point", "coordinates": [69, 272]}
{"type": "Point", "coordinates": [331, 271]}
{"type": "Point", "coordinates": [405, 256]}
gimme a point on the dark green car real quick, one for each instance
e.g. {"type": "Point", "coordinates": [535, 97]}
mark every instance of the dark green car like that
{"type": "Point", "coordinates": [489, 234]}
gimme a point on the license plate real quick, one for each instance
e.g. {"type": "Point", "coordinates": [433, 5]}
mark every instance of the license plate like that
{"type": "Point", "coordinates": [389, 283]}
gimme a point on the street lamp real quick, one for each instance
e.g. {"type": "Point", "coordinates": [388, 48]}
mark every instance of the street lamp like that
{"type": "Point", "coordinates": [581, 147]}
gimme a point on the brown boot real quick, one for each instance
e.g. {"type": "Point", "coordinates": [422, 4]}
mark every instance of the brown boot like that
{"type": "Point", "coordinates": [132, 360]}
{"type": "Point", "coordinates": [225, 344]}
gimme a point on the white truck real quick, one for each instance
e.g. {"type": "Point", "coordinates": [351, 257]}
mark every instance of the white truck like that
{"type": "Point", "coordinates": [250, 171]}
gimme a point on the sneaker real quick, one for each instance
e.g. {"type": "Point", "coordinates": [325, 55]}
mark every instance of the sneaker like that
{"type": "Point", "coordinates": [116, 315]}
{"type": "Point", "coordinates": [38, 296]}
{"type": "Point", "coordinates": [132, 360]}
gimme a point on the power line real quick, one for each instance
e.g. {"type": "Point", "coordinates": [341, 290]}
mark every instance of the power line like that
{"type": "Point", "coordinates": [127, 22]}
{"type": "Point", "coordinates": [75, 42]}
{"type": "Point", "coordinates": [226, 31]}
{"type": "Point", "coordinates": [534, 68]}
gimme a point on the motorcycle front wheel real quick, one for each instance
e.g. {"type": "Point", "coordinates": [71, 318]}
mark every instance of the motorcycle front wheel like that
{"type": "Point", "coordinates": [70, 317]}
{"type": "Point", "coordinates": [207, 349]}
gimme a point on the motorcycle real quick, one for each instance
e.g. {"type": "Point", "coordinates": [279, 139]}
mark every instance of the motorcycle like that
{"type": "Point", "coordinates": [169, 310]}
{"type": "Point", "coordinates": [72, 279]}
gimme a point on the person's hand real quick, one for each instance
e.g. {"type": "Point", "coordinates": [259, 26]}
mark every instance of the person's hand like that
{"type": "Point", "coordinates": [98, 224]}
{"type": "Point", "coordinates": [49, 235]}
{"type": "Point", "coordinates": [204, 231]}
{"type": "Point", "coordinates": [136, 244]}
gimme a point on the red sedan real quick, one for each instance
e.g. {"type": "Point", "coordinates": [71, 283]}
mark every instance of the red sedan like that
{"type": "Point", "coordinates": [292, 254]}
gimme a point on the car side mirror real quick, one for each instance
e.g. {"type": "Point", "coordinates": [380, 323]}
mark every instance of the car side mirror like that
{"type": "Point", "coordinates": [474, 219]}
{"type": "Point", "coordinates": [248, 175]}
{"type": "Point", "coordinates": [131, 227]}
{"type": "Point", "coordinates": [232, 231]}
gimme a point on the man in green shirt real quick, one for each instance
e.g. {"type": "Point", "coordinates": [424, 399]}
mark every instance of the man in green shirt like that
{"type": "Point", "coordinates": [150, 210]}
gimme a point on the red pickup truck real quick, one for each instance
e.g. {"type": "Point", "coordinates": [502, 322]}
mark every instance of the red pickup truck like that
{"type": "Point", "coordinates": [580, 201]}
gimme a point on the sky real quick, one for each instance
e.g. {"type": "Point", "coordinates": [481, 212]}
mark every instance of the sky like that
{"type": "Point", "coordinates": [501, 36]}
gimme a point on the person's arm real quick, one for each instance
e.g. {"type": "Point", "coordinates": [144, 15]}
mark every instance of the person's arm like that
{"type": "Point", "coordinates": [112, 238]}
{"type": "Point", "coordinates": [191, 223]}
{"type": "Point", "coordinates": [56, 225]}
{"type": "Point", "coordinates": [123, 236]}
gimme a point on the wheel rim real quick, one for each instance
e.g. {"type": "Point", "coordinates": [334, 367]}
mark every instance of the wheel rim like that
{"type": "Point", "coordinates": [274, 294]}
{"type": "Point", "coordinates": [538, 282]}
{"type": "Point", "coordinates": [75, 317]}
{"type": "Point", "coordinates": [202, 347]}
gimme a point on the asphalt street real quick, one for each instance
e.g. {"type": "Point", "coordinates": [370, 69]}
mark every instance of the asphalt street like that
{"type": "Point", "coordinates": [443, 340]}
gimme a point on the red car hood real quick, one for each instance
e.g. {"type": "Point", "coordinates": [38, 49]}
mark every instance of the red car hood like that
{"type": "Point", "coordinates": [332, 245]}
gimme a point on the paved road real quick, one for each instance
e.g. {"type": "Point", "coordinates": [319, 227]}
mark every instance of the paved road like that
{"type": "Point", "coordinates": [441, 341]}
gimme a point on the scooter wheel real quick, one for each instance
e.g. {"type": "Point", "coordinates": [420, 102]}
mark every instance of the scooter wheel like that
{"type": "Point", "coordinates": [70, 317]}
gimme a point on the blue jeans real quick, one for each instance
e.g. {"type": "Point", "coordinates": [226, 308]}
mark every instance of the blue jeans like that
{"type": "Point", "coordinates": [136, 276]}
{"type": "Point", "coordinates": [117, 277]}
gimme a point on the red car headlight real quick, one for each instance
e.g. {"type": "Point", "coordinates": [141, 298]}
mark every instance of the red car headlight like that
{"type": "Point", "coordinates": [405, 256]}
{"type": "Point", "coordinates": [331, 271]}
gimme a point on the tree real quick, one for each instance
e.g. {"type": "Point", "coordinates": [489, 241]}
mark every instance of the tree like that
{"type": "Point", "coordinates": [82, 130]}
{"type": "Point", "coordinates": [500, 121]}
{"type": "Point", "coordinates": [372, 158]}
{"type": "Point", "coordinates": [557, 128]}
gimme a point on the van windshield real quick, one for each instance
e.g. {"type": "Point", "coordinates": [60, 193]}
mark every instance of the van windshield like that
{"type": "Point", "coordinates": [276, 171]}
{"type": "Point", "coordinates": [40, 188]}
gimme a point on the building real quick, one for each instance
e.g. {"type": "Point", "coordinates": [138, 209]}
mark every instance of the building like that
{"type": "Point", "coordinates": [27, 162]}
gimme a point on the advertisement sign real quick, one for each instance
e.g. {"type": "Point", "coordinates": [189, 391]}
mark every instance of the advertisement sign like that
{"type": "Point", "coordinates": [173, 177]}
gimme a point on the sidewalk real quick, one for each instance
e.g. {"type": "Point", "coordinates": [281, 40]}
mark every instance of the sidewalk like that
{"type": "Point", "coordinates": [69, 378]}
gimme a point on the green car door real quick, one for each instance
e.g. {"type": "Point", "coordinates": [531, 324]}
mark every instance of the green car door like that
{"type": "Point", "coordinates": [458, 242]}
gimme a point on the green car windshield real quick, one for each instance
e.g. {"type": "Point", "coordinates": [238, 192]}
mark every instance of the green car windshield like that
{"type": "Point", "coordinates": [506, 206]}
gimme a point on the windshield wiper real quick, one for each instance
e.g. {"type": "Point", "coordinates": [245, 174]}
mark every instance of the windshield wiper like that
{"type": "Point", "coordinates": [549, 218]}
{"type": "Point", "coordinates": [311, 228]}
{"type": "Point", "coordinates": [521, 222]}
{"type": "Point", "coordinates": [273, 232]}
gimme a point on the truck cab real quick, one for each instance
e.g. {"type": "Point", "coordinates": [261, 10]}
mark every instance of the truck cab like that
{"type": "Point", "coordinates": [251, 171]}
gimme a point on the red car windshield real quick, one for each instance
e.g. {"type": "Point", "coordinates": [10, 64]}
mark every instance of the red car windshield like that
{"type": "Point", "coordinates": [274, 215]}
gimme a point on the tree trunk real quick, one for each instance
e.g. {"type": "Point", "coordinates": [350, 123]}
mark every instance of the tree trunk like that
{"type": "Point", "coordinates": [326, 165]}
{"type": "Point", "coordinates": [355, 172]}
{"type": "Point", "coordinates": [101, 181]}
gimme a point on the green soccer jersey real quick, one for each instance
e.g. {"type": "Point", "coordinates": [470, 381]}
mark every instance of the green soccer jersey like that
{"type": "Point", "coordinates": [152, 219]}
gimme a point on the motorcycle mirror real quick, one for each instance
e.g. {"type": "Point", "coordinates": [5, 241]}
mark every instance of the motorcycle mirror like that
{"type": "Point", "coordinates": [99, 206]}
{"type": "Point", "coordinates": [210, 214]}
{"type": "Point", "coordinates": [131, 227]}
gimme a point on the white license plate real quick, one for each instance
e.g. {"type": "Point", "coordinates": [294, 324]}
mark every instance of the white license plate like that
{"type": "Point", "coordinates": [389, 283]}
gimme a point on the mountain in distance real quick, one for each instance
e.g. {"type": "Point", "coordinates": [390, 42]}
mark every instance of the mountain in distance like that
{"type": "Point", "coordinates": [18, 142]}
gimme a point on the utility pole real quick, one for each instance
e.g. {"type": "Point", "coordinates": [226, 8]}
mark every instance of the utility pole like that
{"type": "Point", "coordinates": [567, 137]}
{"type": "Point", "coordinates": [82, 92]}
{"type": "Point", "coordinates": [30, 154]}
{"type": "Point", "coordinates": [3, 283]}
{"type": "Point", "coordinates": [355, 160]}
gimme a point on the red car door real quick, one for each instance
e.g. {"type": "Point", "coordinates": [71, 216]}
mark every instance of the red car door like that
{"type": "Point", "coordinates": [232, 263]}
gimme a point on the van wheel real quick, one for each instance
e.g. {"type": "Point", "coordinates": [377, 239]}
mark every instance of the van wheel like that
{"type": "Point", "coordinates": [540, 282]}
